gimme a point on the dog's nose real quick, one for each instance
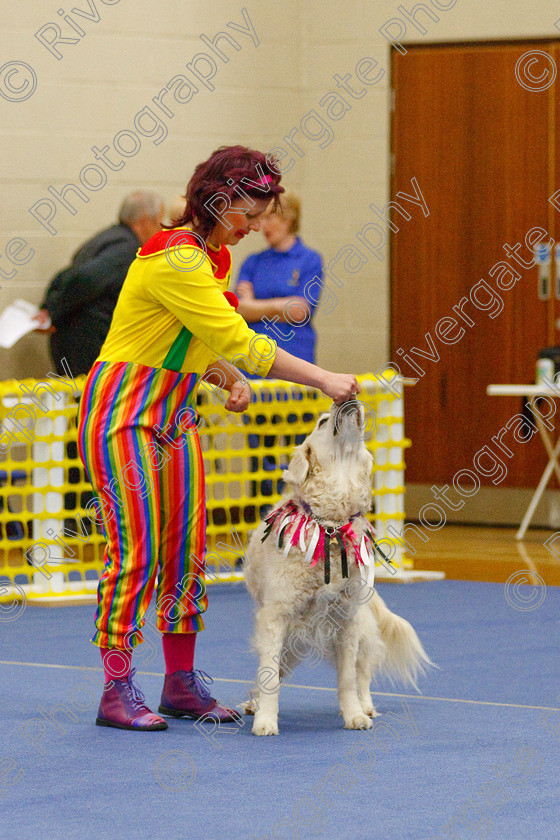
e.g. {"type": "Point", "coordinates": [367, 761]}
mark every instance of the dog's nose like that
{"type": "Point", "coordinates": [348, 414]}
{"type": "Point", "coordinates": [352, 408]}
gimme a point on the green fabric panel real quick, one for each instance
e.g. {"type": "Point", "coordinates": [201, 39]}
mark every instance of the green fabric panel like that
{"type": "Point", "coordinates": [178, 350]}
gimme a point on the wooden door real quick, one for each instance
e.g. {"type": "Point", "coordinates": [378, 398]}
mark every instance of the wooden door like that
{"type": "Point", "coordinates": [554, 188]}
{"type": "Point", "coordinates": [481, 147]}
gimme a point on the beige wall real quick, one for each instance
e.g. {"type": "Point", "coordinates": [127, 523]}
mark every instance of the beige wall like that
{"type": "Point", "coordinates": [261, 94]}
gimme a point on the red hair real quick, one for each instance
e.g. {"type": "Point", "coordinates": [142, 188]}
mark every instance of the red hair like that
{"type": "Point", "coordinates": [237, 164]}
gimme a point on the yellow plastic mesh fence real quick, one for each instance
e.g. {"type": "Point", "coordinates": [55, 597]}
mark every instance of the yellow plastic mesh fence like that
{"type": "Point", "coordinates": [50, 544]}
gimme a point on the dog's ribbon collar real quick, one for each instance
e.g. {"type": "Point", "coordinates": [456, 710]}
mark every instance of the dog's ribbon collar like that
{"type": "Point", "coordinates": [295, 525]}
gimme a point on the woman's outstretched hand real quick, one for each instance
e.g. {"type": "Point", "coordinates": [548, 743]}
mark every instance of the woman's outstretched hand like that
{"type": "Point", "coordinates": [340, 387]}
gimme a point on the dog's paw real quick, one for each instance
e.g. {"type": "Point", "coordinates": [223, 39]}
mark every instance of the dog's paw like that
{"type": "Point", "coordinates": [369, 709]}
{"type": "Point", "coordinates": [358, 721]}
{"type": "Point", "coordinates": [265, 726]}
{"type": "Point", "coordinates": [249, 707]}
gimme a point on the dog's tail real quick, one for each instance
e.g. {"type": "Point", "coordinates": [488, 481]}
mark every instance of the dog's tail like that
{"type": "Point", "coordinates": [406, 659]}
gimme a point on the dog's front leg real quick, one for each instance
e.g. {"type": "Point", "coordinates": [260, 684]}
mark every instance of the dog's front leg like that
{"type": "Point", "coordinates": [346, 660]}
{"type": "Point", "coordinates": [270, 633]}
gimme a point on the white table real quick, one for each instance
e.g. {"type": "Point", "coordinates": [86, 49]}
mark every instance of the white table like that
{"type": "Point", "coordinates": [553, 451]}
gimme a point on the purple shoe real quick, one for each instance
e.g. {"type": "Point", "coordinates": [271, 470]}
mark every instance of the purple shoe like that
{"type": "Point", "coordinates": [123, 707]}
{"type": "Point", "coordinates": [185, 695]}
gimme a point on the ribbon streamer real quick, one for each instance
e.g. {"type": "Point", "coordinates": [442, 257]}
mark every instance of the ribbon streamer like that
{"type": "Point", "coordinates": [368, 562]}
{"type": "Point", "coordinates": [313, 545]}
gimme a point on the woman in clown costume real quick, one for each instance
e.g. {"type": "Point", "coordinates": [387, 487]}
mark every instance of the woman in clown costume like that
{"type": "Point", "coordinates": [137, 433]}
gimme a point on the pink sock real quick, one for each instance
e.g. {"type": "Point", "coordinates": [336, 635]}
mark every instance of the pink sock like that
{"type": "Point", "coordinates": [178, 651]}
{"type": "Point", "coordinates": [116, 663]}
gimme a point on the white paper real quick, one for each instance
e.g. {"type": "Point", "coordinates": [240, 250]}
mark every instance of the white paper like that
{"type": "Point", "coordinates": [15, 322]}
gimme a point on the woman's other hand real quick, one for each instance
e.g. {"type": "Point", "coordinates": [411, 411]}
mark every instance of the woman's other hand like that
{"type": "Point", "coordinates": [239, 396]}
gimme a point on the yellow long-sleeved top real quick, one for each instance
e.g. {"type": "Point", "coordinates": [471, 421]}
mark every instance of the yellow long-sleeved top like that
{"type": "Point", "coordinates": [172, 313]}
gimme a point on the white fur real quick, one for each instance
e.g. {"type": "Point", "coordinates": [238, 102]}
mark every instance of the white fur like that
{"type": "Point", "coordinates": [342, 621]}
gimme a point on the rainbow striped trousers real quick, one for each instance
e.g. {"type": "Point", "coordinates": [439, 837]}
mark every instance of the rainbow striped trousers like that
{"type": "Point", "coordinates": [137, 438]}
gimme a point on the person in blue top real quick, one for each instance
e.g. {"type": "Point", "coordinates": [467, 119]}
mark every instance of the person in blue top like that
{"type": "Point", "coordinates": [278, 290]}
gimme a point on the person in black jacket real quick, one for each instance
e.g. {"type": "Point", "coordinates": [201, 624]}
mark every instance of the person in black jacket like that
{"type": "Point", "coordinates": [80, 299]}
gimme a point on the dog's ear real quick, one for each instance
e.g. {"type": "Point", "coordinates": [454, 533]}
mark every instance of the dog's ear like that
{"type": "Point", "coordinates": [366, 468]}
{"type": "Point", "coordinates": [369, 461]}
{"type": "Point", "coordinates": [299, 465]}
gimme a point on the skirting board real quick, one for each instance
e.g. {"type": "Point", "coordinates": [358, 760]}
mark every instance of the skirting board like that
{"type": "Point", "coordinates": [408, 576]}
{"type": "Point", "coordinates": [73, 600]}
{"type": "Point", "coordinates": [490, 506]}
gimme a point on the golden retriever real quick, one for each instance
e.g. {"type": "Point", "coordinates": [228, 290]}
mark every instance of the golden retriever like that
{"type": "Point", "coordinates": [294, 570]}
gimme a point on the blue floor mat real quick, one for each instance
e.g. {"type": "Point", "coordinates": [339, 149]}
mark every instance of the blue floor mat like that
{"type": "Point", "coordinates": [476, 755]}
